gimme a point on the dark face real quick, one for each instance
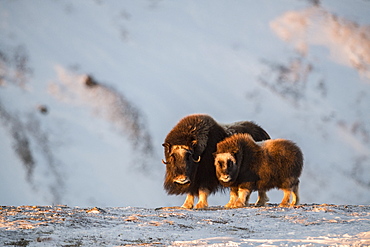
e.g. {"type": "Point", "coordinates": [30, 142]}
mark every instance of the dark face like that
{"type": "Point", "coordinates": [226, 168]}
{"type": "Point", "coordinates": [180, 164]}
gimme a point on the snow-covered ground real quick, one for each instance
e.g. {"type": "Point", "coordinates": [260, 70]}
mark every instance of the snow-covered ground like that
{"type": "Point", "coordinates": [305, 225]}
{"type": "Point", "coordinates": [89, 90]}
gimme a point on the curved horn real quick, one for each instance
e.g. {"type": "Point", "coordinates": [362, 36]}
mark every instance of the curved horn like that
{"type": "Point", "coordinates": [198, 160]}
{"type": "Point", "coordinates": [166, 145]}
{"type": "Point", "coordinates": [164, 162]}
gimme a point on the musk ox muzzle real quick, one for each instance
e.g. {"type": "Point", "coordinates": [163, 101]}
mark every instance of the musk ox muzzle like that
{"type": "Point", "coordinates": [181, 179]}
{"type": "Point", "coordinates": [225, 178]}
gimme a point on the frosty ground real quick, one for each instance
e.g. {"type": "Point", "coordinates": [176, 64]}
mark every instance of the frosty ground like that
{"type": "Point", "coordinates": [304, 225]}
{"type": "Point", "coordinates": [300, 69]}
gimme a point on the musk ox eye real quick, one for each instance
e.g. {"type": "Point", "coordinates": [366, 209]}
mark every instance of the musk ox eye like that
{"type": "Point", "coordinates": [229, 163]}
{"type": "Point", "coordinates": [170, 159]}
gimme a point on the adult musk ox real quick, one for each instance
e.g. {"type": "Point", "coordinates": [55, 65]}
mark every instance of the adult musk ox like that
{"type": "Point", "coordinates": [188, 150]}
{"type": "Point", "coordinates": [246, 166]}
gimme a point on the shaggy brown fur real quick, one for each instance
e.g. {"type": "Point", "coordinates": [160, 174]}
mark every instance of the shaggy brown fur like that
{"type": "Point", "coordinates": [245, 166]}
{"type": "Point", "coordinates": [247, 127]}
{"type": "Point", "coordinates": [189, 148]}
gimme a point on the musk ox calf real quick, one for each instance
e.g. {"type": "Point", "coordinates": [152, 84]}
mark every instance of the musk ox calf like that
{"type": "Point", "coordinates": [188, 150]}
{"type": "Point", "coordinates": [246, 166]}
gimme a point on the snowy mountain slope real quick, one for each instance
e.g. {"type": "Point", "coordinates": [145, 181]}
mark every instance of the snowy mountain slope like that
{"type": "Point", "coordinates": [299, 70]}
{"type": "Point", "coordinates": [307, 225]}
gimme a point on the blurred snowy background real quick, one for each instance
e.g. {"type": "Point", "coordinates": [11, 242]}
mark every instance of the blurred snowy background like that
{"type": "Point", "coordinates": [89, 90]}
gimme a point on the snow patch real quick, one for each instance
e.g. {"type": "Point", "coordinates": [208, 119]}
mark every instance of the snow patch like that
{"type": "Point", "coordinates": [348, 42]}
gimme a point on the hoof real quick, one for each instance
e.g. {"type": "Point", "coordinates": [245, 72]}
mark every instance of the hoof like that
{"type": "Point", "coordinates": [201, 205]}
{"type": "Point", "coordinates": [240, 205]}
{"type": "Point", "coordinates": [260, 203]}
{"type": "Point", "coordinates": [187, 206]}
